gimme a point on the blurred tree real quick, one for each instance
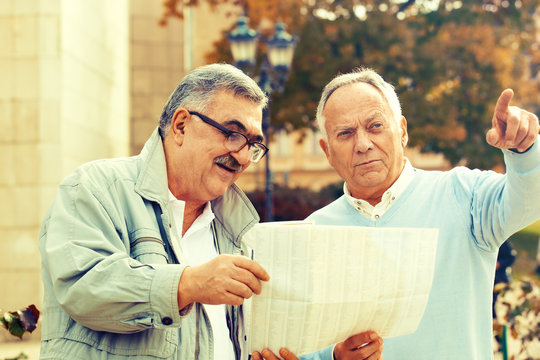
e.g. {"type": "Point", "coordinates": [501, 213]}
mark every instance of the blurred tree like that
{"type": "Point", "coordinates": [449, 61]}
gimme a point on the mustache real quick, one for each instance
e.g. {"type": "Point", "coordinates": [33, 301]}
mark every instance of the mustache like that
{"type": "Point", "coordinates": [229, 162]}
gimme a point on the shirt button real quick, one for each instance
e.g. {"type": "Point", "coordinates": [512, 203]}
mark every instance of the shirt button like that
{"type": "Point", "coordinates": [166, 320]}
{"type": "Point", "coordinates": [377, 216]}
{"type": "Point", "coordinates": [170, 226]}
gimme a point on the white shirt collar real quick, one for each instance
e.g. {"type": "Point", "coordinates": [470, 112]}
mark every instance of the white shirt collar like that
{"type": "Point", "coordinates": [203, 220]}
{"type": "Point", "coordinates": [389, 197]}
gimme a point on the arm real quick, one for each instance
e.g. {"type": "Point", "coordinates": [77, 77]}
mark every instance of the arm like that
{"type": "Point", "coordinates": [86, 264]}
{"type": "Point", "coordinates": [503, 205]}
{"type": "Point", "coordinates": [87, 260]}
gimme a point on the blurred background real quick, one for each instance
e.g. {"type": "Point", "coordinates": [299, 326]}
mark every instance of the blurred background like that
{"type": "Point", "coordinates": [87, 79]}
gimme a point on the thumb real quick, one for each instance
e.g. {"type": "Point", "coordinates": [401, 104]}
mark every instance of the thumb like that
{"type": "Point", "coordinates": [493, 137]}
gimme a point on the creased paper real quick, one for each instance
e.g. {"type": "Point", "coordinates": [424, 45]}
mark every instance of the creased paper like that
{"type": "Point", "coordinates": [330, 282]}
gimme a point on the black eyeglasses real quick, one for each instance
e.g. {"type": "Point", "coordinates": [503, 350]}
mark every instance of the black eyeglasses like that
{"type": "Point", "coordinates": [235, 141]}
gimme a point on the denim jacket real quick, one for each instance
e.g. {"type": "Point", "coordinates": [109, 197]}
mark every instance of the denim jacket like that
{"type": "Point", "coordinates": [110, 270]}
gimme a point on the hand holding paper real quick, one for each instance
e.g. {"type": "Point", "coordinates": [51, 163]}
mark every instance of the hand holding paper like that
{"type": "Point", "coordinates": [226, 279]}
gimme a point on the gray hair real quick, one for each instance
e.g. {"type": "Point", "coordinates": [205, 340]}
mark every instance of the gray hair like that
{"type": "Point", "coordinates": [197, 89]}
{"type": "Point", "coordinates": [358, 75]}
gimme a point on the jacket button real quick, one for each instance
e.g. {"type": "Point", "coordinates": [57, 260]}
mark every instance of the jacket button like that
{"type": "Point", "coordinates": [166, 320]}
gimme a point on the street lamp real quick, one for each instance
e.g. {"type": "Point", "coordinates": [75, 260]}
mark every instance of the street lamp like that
{"type": "Point", "coordinates": [272, 75]}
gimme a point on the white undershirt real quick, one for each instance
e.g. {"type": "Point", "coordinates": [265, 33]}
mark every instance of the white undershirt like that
{"type": "Point", "coordinates": [197, 246]}
{"type": "Point", "coordinates": [388, 199]}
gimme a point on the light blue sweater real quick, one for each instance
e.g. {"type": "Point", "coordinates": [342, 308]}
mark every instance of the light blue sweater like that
{"type": "Point", "coordinates": [475, 212]}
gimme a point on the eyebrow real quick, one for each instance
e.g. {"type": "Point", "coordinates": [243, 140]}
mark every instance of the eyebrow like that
{"type": "Point", "coordinates": [344, 127]}
{"type": "Point", "coordinates": [242, 128]}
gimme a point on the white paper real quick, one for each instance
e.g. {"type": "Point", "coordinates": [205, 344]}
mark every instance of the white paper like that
{"type": "Point", "coordinates": [330, 282]}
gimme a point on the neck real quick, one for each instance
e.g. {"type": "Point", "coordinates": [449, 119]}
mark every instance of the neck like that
{"type": "Point", "coordinates": [191, 213]}
{"type": "Point", "coordinates": [372, 198]}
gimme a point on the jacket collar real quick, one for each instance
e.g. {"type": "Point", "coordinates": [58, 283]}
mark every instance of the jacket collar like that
{"type": "Point", "coordinates": [152, 180]}
{"type": "Point", "coordinates": [235, 212]}
{"type": "Point", "coordinates": [233, 209]}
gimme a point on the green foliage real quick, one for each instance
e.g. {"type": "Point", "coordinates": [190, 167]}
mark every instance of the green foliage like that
{"type": "Point", "coordinates": [449, 64]}
{"type": "Point", "coordinates": [20, 321]}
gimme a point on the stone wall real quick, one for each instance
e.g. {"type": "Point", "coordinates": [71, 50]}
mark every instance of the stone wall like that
{"type": "Point", "coordinates": [63, 101]}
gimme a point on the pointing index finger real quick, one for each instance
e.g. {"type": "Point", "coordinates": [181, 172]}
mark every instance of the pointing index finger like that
{"type": "Point", "coordinates": [501, 108]}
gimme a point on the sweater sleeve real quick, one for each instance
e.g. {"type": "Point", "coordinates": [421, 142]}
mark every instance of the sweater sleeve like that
{"type": "Point", "coordinates": [88, 271]}
{"type": "Point", "coordinates": [502, 205]}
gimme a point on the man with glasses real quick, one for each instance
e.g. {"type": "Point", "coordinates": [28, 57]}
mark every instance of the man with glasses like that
{"type": "Point", "coordinates": [142, 257]}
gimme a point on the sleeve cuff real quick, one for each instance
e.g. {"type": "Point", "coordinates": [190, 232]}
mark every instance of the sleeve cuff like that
{"type": "Point", "coordinates": [524, 162]}
{"type": "Point", "coordinates": [163, 295]}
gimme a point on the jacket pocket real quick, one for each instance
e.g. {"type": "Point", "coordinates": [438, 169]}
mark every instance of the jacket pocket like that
{"type": "Point", "coordinates": [149, 250]}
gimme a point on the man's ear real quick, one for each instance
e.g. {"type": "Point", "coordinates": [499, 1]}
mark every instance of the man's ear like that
{"type": "Point", "coordinates": [403, 131]}
{"type": "Point", "coordinates": [324, 146]}
{"type": "Point", "coordinates": [178, 125]}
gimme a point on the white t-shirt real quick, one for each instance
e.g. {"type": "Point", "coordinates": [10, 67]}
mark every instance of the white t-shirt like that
{"type": "Point", "coordinates": [198, 247]}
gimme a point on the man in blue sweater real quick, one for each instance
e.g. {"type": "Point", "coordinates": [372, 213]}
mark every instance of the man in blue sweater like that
{"type": "Point", "coordinates": [364, 136]}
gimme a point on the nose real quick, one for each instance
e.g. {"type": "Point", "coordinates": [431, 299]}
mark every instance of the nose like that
{"type": "Point", "coordinates": [243, 155]}
{"type": "Point", "coordinates": [363, 142]}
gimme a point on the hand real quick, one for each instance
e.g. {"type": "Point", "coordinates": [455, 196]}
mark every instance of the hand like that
{"type": "Point", "coordinates": [363, 346]}
{"type": "Point", "coordinates": [226, 279]}
{"type": "Point", "coordinates": [512, 127]}
{"type": "Point", "coordinates": [269, 355]}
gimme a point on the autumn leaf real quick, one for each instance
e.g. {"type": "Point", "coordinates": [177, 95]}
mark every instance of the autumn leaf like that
{"type": "Point", "coordinates": [20, 321]}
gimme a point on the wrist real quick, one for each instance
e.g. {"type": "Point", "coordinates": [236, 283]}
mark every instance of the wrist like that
{"type": "Point", "coordinates": [183, 294]}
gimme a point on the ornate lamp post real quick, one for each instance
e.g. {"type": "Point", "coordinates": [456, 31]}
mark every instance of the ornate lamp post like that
{"type": "Point", "coordinates": [272, 75]}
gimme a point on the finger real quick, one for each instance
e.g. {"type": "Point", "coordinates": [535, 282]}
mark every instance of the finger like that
{"type": "Point", "coordinates": [522, 132]}
{"type": "Point", "coordinates": [287, 355]}
{"type": "Point", "coordinates": [501, 108]}
{"type": "Point", "coordinates": [357, 340]}
{"type": "Point", "coordinates": [367, 350]}
{"type": "Point", "coordinates": [513, 123]}
{"type": "Point", "coordinates": [246, 277]}
{"type": "Point", "coordinates": [231, 299]}
{"type": "Point", "coordinates": [375, 356]}
{"type": "Point", "coordinates": [493, 138]}
{"type": "Point", "coordinates": [532, 134]}
{"type": "Point", "coordinates": [251, 266]}
{"type": "Point", "coordinates": [256, 356]}
{"type": "Point", "coordinates": [268, 355]}
{"type": "Point", "coordinates": [239, 289]}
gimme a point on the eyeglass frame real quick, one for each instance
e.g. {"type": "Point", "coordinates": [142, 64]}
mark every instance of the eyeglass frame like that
{"type": "Point", "coordinates": [229, 132]}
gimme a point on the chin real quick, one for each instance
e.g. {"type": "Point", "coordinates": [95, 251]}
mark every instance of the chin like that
{"type": "Point", "coordinates": [218, 191]}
